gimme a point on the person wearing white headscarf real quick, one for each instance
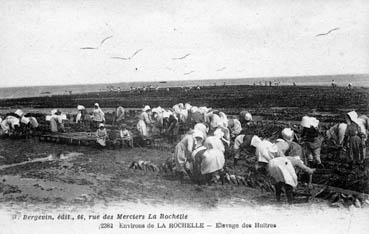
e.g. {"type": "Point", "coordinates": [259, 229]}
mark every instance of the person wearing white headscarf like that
{"type": "Point", "coordinates": [19, 113]}
{"type": "Point", "coordinates": [279, 167]}
{"type": "Point", "coordinates": [56, 120]}
{"type": "Point", "coordinates": [337, 133]}
{"type": "Point", "coordinates": [196, 115]}
{"type": "Point", "coordinates": [222, 133]}
{"type": "Point", "coordinates": [287, 146]}
{"type": "Point", "coordinates": [245, 118]}
{"type": "Point", "coordinates": [171, 126]}
{"type": "Point", "coordinates": [144, 122]}
{"type": "Point", "coordinates": [313, 140]}
{"type": "Point", "coordinates": [223, 120]}
{"type": "Point", "coordinates": [354, 137]}
{"type": "Point", "coordinates": [364, 121]}
{"type": "Point", "coordinates": [9, 124]}
{"type": "Point", "coordinates": [125, 136]}
{"type": "Point", "coordinates": [27, 125]}
{"type": "Point", "coordinates": [213, 120]}
{"type": "Point", "coordinates": [33, 121]}
{"type": "Point", "coordinates": [101, 135]}
{"type": "Point", "coordinates": [265, 150]}
{"type": "Point", "coordinates": [235, 127]}
{"type": "Point", "coordinates": [25, 120]}
{"type": "Point", "coordinates": [283, 171]}
{"type": "Point", "coordinates": [183, 151]}
{"type": "Point", "coordinates": [156, 125]}
{"type": "Point", "coordinates": [187, 106]}
{"type": "Point", "coordinates": [197, 157]}
{"type": "Point", "coordinates": [98, 115]}
{"type": "Point", "coordinates": [208, 159]}
{"type": "Point", "coordinates": [81, 112]}
{"type": "Point", "coordinates": [120, 115]}
{"type": "Point", "coordinates": [180, 112]}
{"type": "Point", "coordinates": [202, 128]}
{"type": "Point", "coordinates": [215, 149]}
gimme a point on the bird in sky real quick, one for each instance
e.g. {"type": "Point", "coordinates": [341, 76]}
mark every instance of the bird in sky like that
{"type": "Point", "coordinates": [95, 48]}
{"type": "Point", "coordinates": [127, 58]}
{"type": "Point", "coordinates": [183, 57]}
{"type": "Point", "coordinates": [222, 68]}
{"type": "Point", "coordinates": [323, 34]}
{"type": "Point", "coordinates": [187, 73]}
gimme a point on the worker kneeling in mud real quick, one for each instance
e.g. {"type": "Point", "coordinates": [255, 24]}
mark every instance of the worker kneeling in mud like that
{"type": "Point", "coordinates": [56, 121]}
{"type": "Point", "coordinates": [208, 160]}
{"type": "Point", "coordinates": [10, 124]}
{"type": "Point", "coordinates": [27, 125]}
{"type": "Point", "coordinates": [271, 159]}
{"type": "Point", "coordinates": [101, 136]}
{"type": "Point", "coordinates": [183, 151]}
{"type": "Point", "coordinates": [207, 165]}
{"type": "Point", "coordinates": [125, 136]}
{"type": "Point", "coordinates": [235, 127]}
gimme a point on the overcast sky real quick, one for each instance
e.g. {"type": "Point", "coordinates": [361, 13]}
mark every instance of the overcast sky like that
{"type": "Point", "coordinates": [41, 41]}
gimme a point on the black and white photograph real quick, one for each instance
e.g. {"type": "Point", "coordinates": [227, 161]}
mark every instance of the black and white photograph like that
{"type": "Point", "coordinates": [184, 116]}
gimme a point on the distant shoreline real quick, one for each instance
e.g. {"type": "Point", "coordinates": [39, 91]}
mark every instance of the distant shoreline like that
{"type": "Point", "coordinates": [163, 81]}
{"type": "Point", "coordinates": [357, 80]}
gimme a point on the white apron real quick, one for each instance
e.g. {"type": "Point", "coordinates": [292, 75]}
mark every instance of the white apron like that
{"type": "Point", "coordinates": [213, 161]}
{"type": "Point", "coordinates": [282, 170]}
{"type": "Point", "coordinates": [141, 127]}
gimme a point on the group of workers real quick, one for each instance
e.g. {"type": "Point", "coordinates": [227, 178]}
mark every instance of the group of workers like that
{"type": "Point", "coordinates": [17, 123]}
{"type": "Point", "coordinates": [96, 122]}
{"type": "Point", "coordinates": [200, 154]}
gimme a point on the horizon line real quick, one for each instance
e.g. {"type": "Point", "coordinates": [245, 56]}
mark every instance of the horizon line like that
{"type": "Point", "coordinates": [207, 79]}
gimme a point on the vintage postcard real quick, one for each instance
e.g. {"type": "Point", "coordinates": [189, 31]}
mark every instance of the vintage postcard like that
{"type": "Point", "coordinates": [184, 116]}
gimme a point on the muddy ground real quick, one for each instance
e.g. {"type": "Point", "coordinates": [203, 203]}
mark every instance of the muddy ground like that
{"type": "Point", "coordinates": [103, 177]}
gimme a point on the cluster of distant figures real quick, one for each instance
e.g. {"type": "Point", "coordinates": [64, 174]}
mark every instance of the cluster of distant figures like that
{"type": "Point", "coordinates": [277, 83]}
{"type": "Point", "coordinates": [334, 85]}
{"type": "Point", "coordinates": [270, 83]}
{"type": "Point", "coordinates": [212, 137]}
{"type": "Point", "coordinates": [150, 88]}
